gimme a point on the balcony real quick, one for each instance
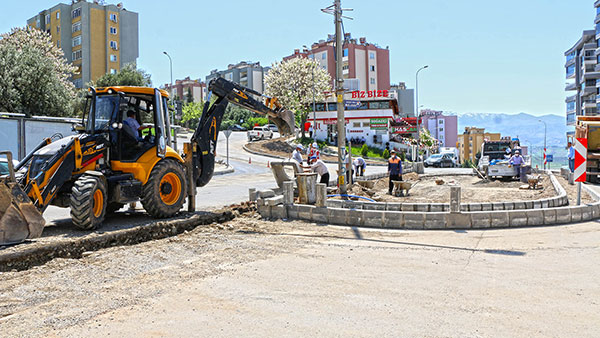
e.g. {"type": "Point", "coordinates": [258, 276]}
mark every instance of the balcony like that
{"type": "Point", "coordinates": [589, 103]}
{"type": "Point", "coordinates": [571, 98]}
{"type": "Point", "coordinates": [590, 46]}
{"type": "Point", "coordinates": [588, 90]}
{"type": "Point", "coordinates": [571, 119]}
{"type": "Point", "coordinates": [571, 86]}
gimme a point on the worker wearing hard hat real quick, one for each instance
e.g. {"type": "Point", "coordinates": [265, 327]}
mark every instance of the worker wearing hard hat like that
{"type": "Point", "coordinates": [517, 160]}
{"type": "Point", "coordinates": [319, 167]}
{"type": "Point", "coordinates": [313, 151]}
{"type": "Point", "coordinates": [394, 170]}
{"type": "Point", "coordinates": [297, 154]}
{"type": "Point", "coordinates": [359, 166]}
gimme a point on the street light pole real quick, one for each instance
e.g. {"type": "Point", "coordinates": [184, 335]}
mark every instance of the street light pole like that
{"type": "Point", "coordinates": [545, 127]}
{"type": "Point", "coordinates": [417, 105]}
{"type": "Point", "coordinates": [172, 96]}
{"type": "Point", "coordinates": [313, 96]}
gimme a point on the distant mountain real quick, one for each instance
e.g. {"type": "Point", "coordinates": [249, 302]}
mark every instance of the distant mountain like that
{"type": "Point", "coordinates": [524, 126]}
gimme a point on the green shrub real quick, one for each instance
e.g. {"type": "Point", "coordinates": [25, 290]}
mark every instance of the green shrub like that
{"type": "Point", "coordinates": [364, 151]}
{"type": "Point", "coordinates": [386, 154]}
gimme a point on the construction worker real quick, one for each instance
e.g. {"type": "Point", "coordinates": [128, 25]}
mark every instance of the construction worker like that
{"type": "Point", "coordinates": [313, 151]}
{"type": "Point", "coordinates": [319, 167]}
{"type": "Point", "coordinates": [297, 154]}
{"type": "Point", "coordinates": [359, 166]}
{"type": "Point", "coordinates": [571, 156]}
{"type": "Point", "coordinates": [394, 170]}
{"type": "Point", "coordinates": [517, 160]}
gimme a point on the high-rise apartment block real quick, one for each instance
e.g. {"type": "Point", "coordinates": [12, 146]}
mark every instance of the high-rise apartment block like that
{"type": "Point", "coordinates": [583, 74]}
{"type": "Point", "coordinates": [182, 89]}
{"type": "Point", "coordinates": [95, 37]}
{"type": "Point", "coordinates": [469, 143]}
{"type": "Point", "coordinates": [248, 74]}
{"type": "Point", "coordinates": [366, 66]}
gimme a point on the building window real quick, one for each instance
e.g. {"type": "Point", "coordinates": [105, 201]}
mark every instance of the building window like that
{"type": "Point", "coordinates": [113, 58]}
{"type": "Point", "coordinates": [77, 55]}
{"type": "Point", "coordinates": [57, 29]}
{"type": "Point", "coordinates": [57, 15]}
{"type": "Point", "coordinates": [113, 71]}
{"type": "Point", "coordinates": [76, 27]}
{"type": "Point", "coordinates": [441, 122]}
{"type": "Point", "coordinates": [345, 67]}
{"type": "Point", "coordinates": [372, 55]}
{"type": "Point", "coordinates": [345, 52]}
{"type": "Point", "coordinates": [113, 31]}
{"type": "Point", "coordinates": [113, 45]}
{"type": "Point", "coordinates": [47, 19]}
{"type": "Point", "coordinates": [372, 68]}
{"type": "Point", "coordinates": [76, 41]}
{"type": "Point", "coordinates": [76, 13]}
{"type": "Point", "coordinates": [372, 80]}
{"type": "Point", "coordinates": [324, 56]}
{"type": "Point", "coordinates": [113, 17]}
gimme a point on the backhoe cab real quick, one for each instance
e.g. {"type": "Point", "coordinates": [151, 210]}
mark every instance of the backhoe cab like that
{"type": "Point", "coordinates": [121, 155]}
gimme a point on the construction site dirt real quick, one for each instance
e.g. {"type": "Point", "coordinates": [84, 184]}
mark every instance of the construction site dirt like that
{"type": "Point", "coordinates": [430, 189]}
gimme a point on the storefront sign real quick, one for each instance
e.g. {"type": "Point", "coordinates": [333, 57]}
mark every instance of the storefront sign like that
{"type": "Point", "coordinates": [403, 130]}
{"type": "Point", "coordinates": [333, 121]}
{"type": "Point", "coordinates": [361, 94]}
{"type": "Point", "coordinates": [351, 104]}
{"type": "Point", "coordinates": [379, 124]}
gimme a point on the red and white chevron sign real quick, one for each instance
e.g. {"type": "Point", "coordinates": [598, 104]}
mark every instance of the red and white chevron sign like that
{"type": "Point", "coordinates": [580, 159]}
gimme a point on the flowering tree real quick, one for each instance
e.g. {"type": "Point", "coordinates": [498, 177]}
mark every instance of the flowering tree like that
{"type": "Point", "coordinates": [129, 75]}
{"type": "Point", "coordinates": [291, 82]}
{"type": "Point", "coordinates": [34, 75]}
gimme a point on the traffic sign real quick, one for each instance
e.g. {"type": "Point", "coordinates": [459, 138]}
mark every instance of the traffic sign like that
{"type": "Point", "coordinates": [549, 158]}
{"type": "Point", "coordinates": [580, 159]}
{"type": "Point", "coordinates": [227, 133]}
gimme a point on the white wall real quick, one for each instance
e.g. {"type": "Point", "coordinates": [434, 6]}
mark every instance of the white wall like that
{"type": "Point", "coordinates": [257, 81]}
{"type": "Point", "coordinates": [361, 71]}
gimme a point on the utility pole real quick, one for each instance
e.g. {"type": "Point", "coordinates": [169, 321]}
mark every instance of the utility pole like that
{"type": "Point", "coordinates": [339, 91]}
{"type": "Point", "coordinates": [313, 94]}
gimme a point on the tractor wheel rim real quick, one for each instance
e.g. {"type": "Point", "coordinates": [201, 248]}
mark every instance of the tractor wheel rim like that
{"type": "Point", "coordinates": [171, 197]}
{"type": "Point", "coordinates": [98, 202]}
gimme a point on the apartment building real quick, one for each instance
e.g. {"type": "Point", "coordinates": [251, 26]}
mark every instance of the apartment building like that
{"type": "Point", "coordinates": [443, 128]}
{"type": "Point", "coordinates": [248, 74]}
{"type": "Point", "coordinates": [366, 66]}
{"type": "Point", "coordinates": [470, 141]}
{"type": "Point", "coordinates": [181, 88]}
{"type": "Point", "coordinates": [406, 99]}
{"type": "Point", "coordinates": [95, 37]}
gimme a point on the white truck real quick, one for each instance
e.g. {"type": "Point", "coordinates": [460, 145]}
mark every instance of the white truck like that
{"type": "Point", "coordinates": [494, 161]}
{"type": "Point", "coordinates": [259, 133]}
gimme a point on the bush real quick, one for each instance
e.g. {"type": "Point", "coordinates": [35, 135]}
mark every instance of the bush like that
{"type": "Point", "coordinates": [364, 151]}
{"type": "Point", "coordinates": [386, 154]}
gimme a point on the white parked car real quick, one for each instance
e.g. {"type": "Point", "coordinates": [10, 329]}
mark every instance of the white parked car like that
{"type": "Point", "coordinates": [259, 133]}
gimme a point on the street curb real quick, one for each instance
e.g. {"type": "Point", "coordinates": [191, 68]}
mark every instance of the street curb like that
{"type": "Point", "coordinates": [228, 170]}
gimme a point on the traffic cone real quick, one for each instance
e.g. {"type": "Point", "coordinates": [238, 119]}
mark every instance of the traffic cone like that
{"type": "Point", "coordinates": [268, 164]}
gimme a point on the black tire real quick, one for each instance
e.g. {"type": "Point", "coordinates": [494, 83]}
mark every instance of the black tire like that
{"type": "Point", "coordinates": [113, 207]}
{"type": "Point", "coordinates": [88, 202]}
{"type": "Point", "coordinates": [165, 192]}
{"type": "Point", "coordinates": [270, 137]}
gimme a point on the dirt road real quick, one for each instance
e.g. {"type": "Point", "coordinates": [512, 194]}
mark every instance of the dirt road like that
{"type": "Point", "coordinates": [255, 278]}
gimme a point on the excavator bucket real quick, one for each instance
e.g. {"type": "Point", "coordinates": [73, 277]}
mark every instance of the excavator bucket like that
{"type": "Point", "coordinates": [285, 122]}
{"type": "Point", "coordinates": [19, 218]}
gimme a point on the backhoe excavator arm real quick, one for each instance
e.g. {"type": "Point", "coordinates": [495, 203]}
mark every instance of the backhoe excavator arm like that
{"type": "Point", "coordinates": [204, 140]}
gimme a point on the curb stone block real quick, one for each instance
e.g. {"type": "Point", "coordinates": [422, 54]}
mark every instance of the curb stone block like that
{"type": "Point", "coordinates": [552, 203]}
{"type": "Point", "coordinates": [537, 204]}
{"type": "Point", "coordinates": [414, 220]}
{"type": "Point", "coordinates": [393, 206]}
{"type": "Point", "coordinates": [486, 207]}
{"type": "Point", "coordinates": [372, 218]}
{"type": "Point", "coordinates": [265, 193]}
{"type": "Point", "coordinates": [519, 205]}
{"type": "Point", "coordinates": [576, 213]}
{"type": "Point", "coordinates": [509, 206]}
{"type": "Point", "coordinates": [264, 211]}
{"type": "Point", "coordinates": [333, 203]}
{"type": "Point", "coordinates": [292, 211]}
{"type": "Point", "coordinates": [273, 201]}
{"type": "Point", "coordinates": [563, 215]}
{"type": "Point", "coordinates": [422, 207]}
{"type": "Point", "coordinates": [305, 212]}
{"type": "Point", "coordinates": [499, 219]}
{"type": "Point", "coordinates": [464, 207]}
{"type": "Point", "coordinates": [408, 207]}
{"type": "Point", "coordinates": [474, 207]}
{"type": "Point", "coordinates": [545, 203]}
{"type": "Point", "coordinates": [517, 218]}
{"type": "Point", "coordinates": [351, 205]}
{"type": "Point", "coordinates": [320, 215]}
{"type": "Point", "coordinates": [549, 216]}
{"type": "Point", "coordinates": [480, 220]}
{"type": "Point", "coordinates": [394, 220]}
{"type": "Point", "coordinates": [354, 217]}
{"type": "Point", "coordinates": [278, 212]}
{"type": "Point", "coordinates": [535, 217]}
{"type": "Point", "coordinates": [497, 206]}
{"type": "Point", "coordinates": [435, 220]}
{"type": "Point", "coordinates": [458, 221]}
{"type": "Point", "coordinates": [436, 207]}
{"type": "Point", "coordinates": [374, 206]}
{"type": "Point", "coordinates": [528, 204]}
{"type": "Point", "coordinates": [586, 213]}
{"type": "Point", "coordinates": [595, 210]}
{"type": "Point", "coordinates": [336, 216]}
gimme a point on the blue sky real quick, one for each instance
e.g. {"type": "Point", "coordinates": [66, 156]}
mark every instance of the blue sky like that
{"type": "Point", "coordinates": [484, 56]}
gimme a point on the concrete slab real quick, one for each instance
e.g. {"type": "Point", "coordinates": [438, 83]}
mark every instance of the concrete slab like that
{"type": "Point", "coordinates": [273, 201]}
{"type": "Point", "coordinates": [267, 193]}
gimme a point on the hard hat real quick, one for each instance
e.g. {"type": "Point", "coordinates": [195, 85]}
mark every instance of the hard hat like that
{"type": "Point", "coordinates": [315, 145]}
{"type": "Point", "coordinates": [299, 146]}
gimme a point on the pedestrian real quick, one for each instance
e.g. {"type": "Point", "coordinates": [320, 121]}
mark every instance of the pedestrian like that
{"type": "Point", "coordinates": [310, 131]}
{"type": "Point", "coordinates": [571, 156]}
{"type": "Point", "coordinates": [297, 154]}
{"type": "Point", "coordinates": [319, 167]}
{"type": "Point", "coordinates": [394, 170]}
{"type": "Point", "coordinates": [313, 151]}
{"type": "Point", "coordinates": [517, 161]}
{"type": "Point", "coordinates": [359, 166]}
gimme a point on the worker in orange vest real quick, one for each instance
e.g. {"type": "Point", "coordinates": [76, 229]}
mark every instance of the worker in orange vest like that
{"type": "Point", "coordinates": [394, 170]}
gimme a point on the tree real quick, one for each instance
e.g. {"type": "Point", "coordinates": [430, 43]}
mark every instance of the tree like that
{"type": "Point", "coordinates": [191, 113]}
{"type": "Point", "coordinates": [34, 75]}
{"type": "Point", "coordinates": [291, 82]}
{"type": "Point", "coordinates": [189, 97]}
{"type": "Point", "coordinates": [129, 75]}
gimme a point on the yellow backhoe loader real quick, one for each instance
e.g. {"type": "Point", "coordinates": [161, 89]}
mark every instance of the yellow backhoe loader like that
{"type": "Point", "coordinates": [111, 161]}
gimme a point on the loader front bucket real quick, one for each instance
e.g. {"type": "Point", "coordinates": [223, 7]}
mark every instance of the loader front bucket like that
{"type": "Point", "coordinates": [19, 218]}
{"type": "Point", "coordinates": [285, 122]}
